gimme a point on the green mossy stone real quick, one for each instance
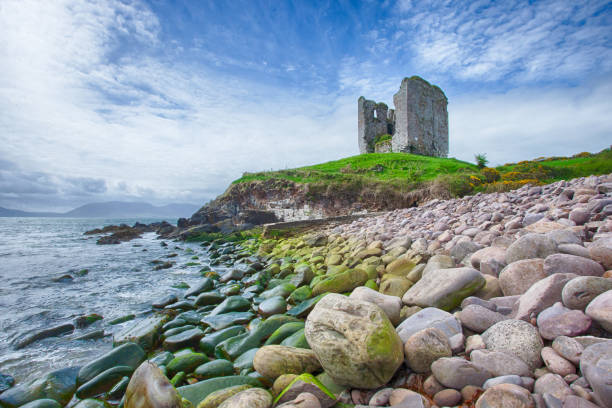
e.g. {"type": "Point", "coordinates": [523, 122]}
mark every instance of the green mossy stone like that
{"type": "Point", "coordinates": [297, 339]}
{"type": "Point", "coordinates": [308, 379]}
{"type": "Point", "coordinates": [272, 306]}
{"type": "Point", "coordinates": [231, 304]}
{"type": "Point", "coordinates": [326, 380]}
{"type": "Point", "coordinates": [177, 330]}
{"type": "Point", "coordinates": [128, 354]}
{"type": "Point", "coordinates": [226, 320]}
{"type": "Point", "coordinates": [103, 382]}
{"type": "Point", "coordinates": [58, 385]}
{"type": "Point", "coordinates": [216, 368]}
{"type": "Point", "coordinates": [230, 290]}
{"type": "Point", "coordinates": [195, 393]}
{"type": "Point", "coordinates": [283, 290]}
{"type": "Point", "coordinates": [245, 361]}
{"type": "Point", "coordinates": [300, 294]}
{"type": "Point", "coordinates": [122, 319]}
{"type": "Point", "coordinates": [91, 403]}
{"type": "Point", "coordinates": [118, 389]}
{"type": "Point", "coordinates": [43, 403]}
{"type": "Point", "coordinates": [178, 379]}
{"type": "Point", "coordinates": [371, 284]}
{"type": "Point", "coordinates": [209, 298]}
{"type": "Point", "coordinates": [209, 342]}
{"type": "Point", "coordinates": [305, 307]}
{"type": "Point", "coordinates": [216, 398]}
{"type": "Point", "coordinates": [341, 282]}
{"type": "Point", "coordinates": [283, 332]}
{"type": "Point", "coordinates": [186, 363]}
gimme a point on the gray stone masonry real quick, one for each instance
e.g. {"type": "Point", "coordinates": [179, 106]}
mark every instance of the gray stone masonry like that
{"type": "Point", "coordinates": [419, 123]}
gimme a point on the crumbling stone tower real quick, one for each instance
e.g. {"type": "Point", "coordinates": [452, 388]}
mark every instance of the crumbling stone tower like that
{"type": "Point", "coordinates": [419, 123]}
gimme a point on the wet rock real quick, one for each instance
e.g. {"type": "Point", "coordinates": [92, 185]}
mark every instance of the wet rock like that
{"type": "Point", "coordinates": [225, 320]}
{"type": "Point", "coordinates": [558, 320]}
{"type": "Point", "coordinates": [215, 399]}
{"type": "Point", "coordinates": [165, 301]}
{"type": "Point", "coordinates": [354, 350]}
{"type": "Point", "coordinates": [43, 334]}
{"type": "Point", "coordinates": [515, 337]}
{"type": "Point", "coordinates": [391, 305]}
{"type": "Point", "coordinates": [103, 382]}
{"type": "Point", "coordinates": [209, 298]}
{"type": "Point", "coordinates": [145, 333]}
{"type": "Point", "coordinates": [204, 285]}
{"type": "Point", "coordinates": [272, 306]}
{"type": "Point", "coordinates": [250, 398]}
{"type": "Point", "coordinates": [444, 288]}
{"type": "Point", "coordinates": [231, 304]}
{"type": "Point", "coordinates": [128, 354]}
{"type": "Point", "coordinates": [186, 362]}
{"type": "Point", "coordinates": [429, 317]}
{"type": "Point", "coordinates": [506, 396]}
{"type": "Point", "coordinates": [456, 372]}
{"type": "Point", "coordinates": [596, 366]}
{"type": "Point", "coordinates": [187, 338]}
{"type": "Point", "coordinates": [530, 246]}
{"type": "Point", "coordinates": [500, 363]}
{"type": "Point", "coordinates": [306, 383]}
{"type": "Point", "coordinates": [6, 382]}
{"type": "Point", "coordinates": [541, 295]}
{"type": "Point", "coordinates": [424, 347]}
{"type": "Point", "coordinates": [197, 392]}
{"type": "Point", "coordinates": [479, 318]}
{"type": "Point", "coordinates": [564, 263]}
{"type": "Point", "coordinates": [600, 310]}
{"type": "Point", "coordinates": [275, 360]}
{"type": "Point", "coordinates": [303, 274]}
{"type": "Point", "coordinates": [43, 403]}
{"type": "Point", "coordinates": [578, 292]}
{"type": "Point", "coordinates": [519, 276]}
{"type": "Point", "coordinates": [215, 368]}
{"type": "Point", "coordinates": [341, 282]}
{"type": "Point", "coordinates": [58, 385]}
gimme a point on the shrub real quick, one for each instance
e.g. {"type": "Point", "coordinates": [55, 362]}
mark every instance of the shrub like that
{"type": "Point", "coordinates": [491, 175]}
{"type": "Point", "coordinates": [481, 160]}
{"type": "Point", "coordinates": [582, 154]}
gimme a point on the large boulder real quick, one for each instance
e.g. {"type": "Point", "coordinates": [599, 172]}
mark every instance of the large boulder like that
{"type": "Point", "coordinates": [565, 263]}
{"type": "Point", "coordinates": [391, 305]}
{"type": "Point", "coordinates": [600, 310]}
{"type": "Point", "coordinates": [519, 276]}
{"type": "Point", "coordinates": [354, 340]}
{"type": "Point", "coordinates": [444, 288]}
{"type": "Point", "coordinates": [578, 292]}
{"type": "Point", "coordinates": [596, 366]}
{"type": "Point", "coordinates": [518, 338]}
{"type": "Point", "coordinates": [149, 388]}
{"type": "Point", "coordinates": [541, 295]}
{"type": "Point", "coordinates": [58, 385]}
{"type": "Point", "coordinates": [274, 360]}
{"type": "Point", "coordinates": [530, 246]}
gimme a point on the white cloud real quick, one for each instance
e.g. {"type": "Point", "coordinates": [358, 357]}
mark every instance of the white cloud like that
{"type": "Point", "coordinates": [526, 123]}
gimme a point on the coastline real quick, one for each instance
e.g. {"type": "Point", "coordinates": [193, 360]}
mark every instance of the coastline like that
{"type": "Point", "coordinates": [463, 271]}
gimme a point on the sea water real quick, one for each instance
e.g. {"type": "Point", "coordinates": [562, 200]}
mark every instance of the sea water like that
{"type": "Point", "coordinates": [120, 280]}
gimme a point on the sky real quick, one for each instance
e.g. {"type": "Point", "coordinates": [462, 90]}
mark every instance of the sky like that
{"type": "Point", "coordinates": [169, 101]}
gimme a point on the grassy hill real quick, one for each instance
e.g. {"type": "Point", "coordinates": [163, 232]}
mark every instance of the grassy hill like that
{"type": "Point", "coordinates": [407, 172]}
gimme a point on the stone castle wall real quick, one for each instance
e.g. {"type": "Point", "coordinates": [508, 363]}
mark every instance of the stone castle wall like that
{"type": "Point", "coordinates": [418, 124]}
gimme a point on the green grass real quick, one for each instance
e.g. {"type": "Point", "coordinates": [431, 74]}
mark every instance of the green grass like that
{"type": "Point", "coordinates": [382, 167]}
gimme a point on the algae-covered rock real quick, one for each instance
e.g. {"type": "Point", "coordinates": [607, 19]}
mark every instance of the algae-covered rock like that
{"type": "Point", "coordinates": [58, 385]}
{"type": "Point", "coordinates": [244, 362]}
{"type": "Point", "coordinates": [306, 383]}
{"type": "Point", "coordinates": [272, 306]}
{"type": "Point", "coordinates": [225, 320]}
{"type": "Point", "coordinates": [103, 382]}
{"type": "Point", "coordinates": [128, 354]}
{"type": "Point", "coordinates": [341, 282]}
{"type": "Point", "coordinates": [355, 342]}
{"type": "Point", "coordinates": [215, 368]}
{"type": "Point", "coordinates": [300, 294]}
{"type": "Point", "coordinates": [275, 360]}
{"type": "Point", "coordinates": [231, 304]}
{"type": "Point", "coordinates": [283, 332]}
{"type": "Point", "coordinates": [43, 403]}
{"type": "Point", "coordinates": [186, 363]}
{"type": "Point", "coordinates": [250, 398]}
{"type": "Point", "coordinates": [394, 285]}
{"type": "Point", "coordinates": [216, 398]}
{"type": "Point", "coordinates": [145, 333]}
{"type": "Point", "coordinates": [149, 388]}
{"type": "Point", "coordinates": [297, 339]}
{"type": "Point", "coordinates": [210, 341]}
{"type": "Point", "coordinates": [444, 288]}
{"type": "Point", "coordinates": [197, 392]}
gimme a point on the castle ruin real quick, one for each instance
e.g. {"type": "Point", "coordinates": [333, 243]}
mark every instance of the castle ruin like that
{"type": "Point", "coordinates": [418, 124]}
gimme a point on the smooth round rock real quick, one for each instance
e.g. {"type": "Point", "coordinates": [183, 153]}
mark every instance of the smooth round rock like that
{"type": "Point", "coordinates": [275, 360]}
{"type": "Point", "coordinates": [149, 388]}
{"type": "Point", "coordinates": [447, 398]}
{"type": "Point", "coordinates": [601, 251]}
{"type": "Point", "coordinates": [456, 372]}
{"type": "Point", "coordinates": [557, 364]}
{"type": "Point", "coordinates": [600, 310]}
{"type": "Point", "coordinates": [478, 318]}
{"type": "Point", "coordinates": [596, 366]}
{"type": "Point", "coordinates": [519, 276]}
{"type": "Point", "coordinates": [578, 292]}
{"type": "Point", "coordinates": [554, 385]}
{"type": "Point", "coordinates": [500, 363]}
{"type": "Point", "coordinates": [214, 399]}
{"type": "Point", "coordinates": [355, 342]}
{"type": "Point", "coordinates": [506, 396]}
{"type": "Point", "coordinates": [424, 347]}
{"type": "Point", "coordinates": [515, 337]}
{"type": "Point", "coordinates": [272, 306]}
{"type": "Point", "coordinates": [558, 320]}
{"type": "Point", "coordinates": [568, 348]}
{"type": "Point", "coordinates": [565, 263]}
{"type": "Point", "coordinates": [42, 403]}
{"type": "Point", "coordinates": [530, 246]}
{"type": "Point", "coordinates": [250, 398]}
{"type": "Point", "coordinates": [391, 305]}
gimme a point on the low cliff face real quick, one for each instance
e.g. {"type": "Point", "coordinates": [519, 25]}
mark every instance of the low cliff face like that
{"type": "Point", "coordinates": [244, 205]}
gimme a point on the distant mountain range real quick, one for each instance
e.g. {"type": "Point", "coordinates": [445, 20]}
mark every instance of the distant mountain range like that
{"type": "Point", "coordinates": [113, 209]}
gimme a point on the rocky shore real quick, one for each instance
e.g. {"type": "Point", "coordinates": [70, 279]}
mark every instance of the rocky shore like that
{"type": "Point", "coordinates": [498, 300]}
